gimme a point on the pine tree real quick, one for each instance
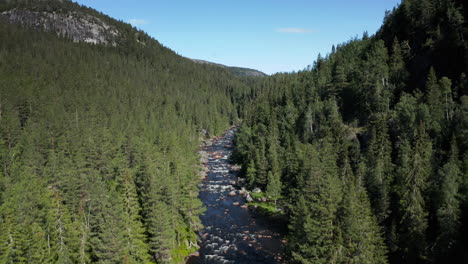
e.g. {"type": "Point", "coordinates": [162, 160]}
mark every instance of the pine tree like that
{"type": "Point", "coordinates": [434, 99]}
{"type": "Point", "coordinates": [445, 85]}
{"type": "Point", "coordinates": [273, 188]}
{"type": "Point", "coordinates": [107, 232]}
{"type": "Point", "coordinates": [448, 212]}
{"type": "Point", "coordinates": [361, 235]}
{"type": "Point", "coordinates": [61, 232]}
{"type": "Point", "coordinates": [415, 169]}
{"type": "Point", "coordinates": [398, 73]}
{"type": "Point", "coordinates": [136, 248]}
{"type": "Point", "coordinates": [261, 163]}
{"type": "Point", "coordinates": [251, 173]}
{"type": "Point", "coordinates": [379, 169]}
{"type": "Point", "coordinates": [312, 228]}
{"type": "Point", "coordinates": [339, 81]}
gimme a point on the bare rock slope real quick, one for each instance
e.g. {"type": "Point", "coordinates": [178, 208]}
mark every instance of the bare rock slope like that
{"type": "Point", "coordinates": [79, 27]}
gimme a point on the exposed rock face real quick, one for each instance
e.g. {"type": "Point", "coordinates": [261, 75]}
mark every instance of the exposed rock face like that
{"type": "Point", "coordinates": [77, 26]}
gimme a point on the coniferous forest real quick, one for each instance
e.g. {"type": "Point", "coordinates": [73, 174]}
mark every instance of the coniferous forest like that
{"type": "Point", "coordinates": [364, 153]}
{"type": "Point", "coordinates": [369, 145]}
{"type": "Point", "coordinates": [98, 147]}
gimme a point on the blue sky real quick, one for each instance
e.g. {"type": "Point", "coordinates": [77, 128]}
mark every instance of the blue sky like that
{"type": "Point", "coordinates": [268, 35]}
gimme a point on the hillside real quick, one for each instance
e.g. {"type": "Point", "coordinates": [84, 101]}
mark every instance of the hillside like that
{"type": "Point", "coordinates": [367, 150]}
{"type": "Point", "coordinates": [82, 24]}
{"type": "Point", "coordinates": [362, 157]}
{"type": "Point", "coordinates": [98, 143]}
{"type": "Point", "coordinates": [238, 71]}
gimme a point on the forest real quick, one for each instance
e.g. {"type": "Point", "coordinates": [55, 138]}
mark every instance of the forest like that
{"type": "Point", "coordinates": [98, 146]}
{"type": "Point", "coordinates": [365, 151]}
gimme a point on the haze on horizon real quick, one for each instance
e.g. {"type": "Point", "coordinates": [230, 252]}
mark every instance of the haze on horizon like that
{"type": "Point", "coordinates": [268, 35]}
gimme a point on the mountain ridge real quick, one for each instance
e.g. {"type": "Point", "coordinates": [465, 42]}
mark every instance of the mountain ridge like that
{"type": "Point", "coordinates": [83, 24]}
{"type": "Point", "coordinates": [239, 71]}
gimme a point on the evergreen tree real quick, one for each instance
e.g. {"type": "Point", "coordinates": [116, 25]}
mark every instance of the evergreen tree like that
{"type": "Point", "coordinates": [448, 212]}
{"type": "Point", "coordinates": [415, 171]}
{"type": "Point", "coordinates": [398, 73]}
{"type": "Point", "coordinates": [361, 235]}
{"type": "Point", "coordinates": [136, 248]}
{"type": "Point", "coordinates": [379, 169]}
{"type": "Point", "coordinates": [434, 99]}
{"type": "Point", "coordinates": [273, 188]}
{"type": "Point", "coordinates": [445, 85]}
{"type": "Point", "coordinates": [251, 173]}
{"type": "Point", "coordinates": [312, 228]}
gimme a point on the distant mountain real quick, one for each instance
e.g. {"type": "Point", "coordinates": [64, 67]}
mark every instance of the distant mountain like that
{"type": "Point", "coordinates": [99, 132]}
{"type": "Point", "coordinates": [82, 24]}
{"type": "Point", "coordinates": [238, 71]}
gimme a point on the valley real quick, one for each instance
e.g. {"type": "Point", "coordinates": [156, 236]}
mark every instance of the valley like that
{"type": "Point", "coordinates": [232, 233]}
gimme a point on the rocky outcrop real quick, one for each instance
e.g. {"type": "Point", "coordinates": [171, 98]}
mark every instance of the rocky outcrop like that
{"type": "Point", "coordinates": [79, 27]}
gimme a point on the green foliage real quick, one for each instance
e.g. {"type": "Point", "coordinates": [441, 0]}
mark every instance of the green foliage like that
{"type": "Point", "coordinates": [363, 140]}
{"type": "Point", "coordinates": [98, 145]}
{"type": "Point", "coordinates": [361, 236]}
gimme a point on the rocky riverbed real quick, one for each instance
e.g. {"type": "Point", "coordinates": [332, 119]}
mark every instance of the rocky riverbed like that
{"type": "Point", "coordinates": [232, 233]}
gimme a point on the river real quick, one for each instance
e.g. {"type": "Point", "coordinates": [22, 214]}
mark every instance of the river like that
{"type": "Point", "coordinates": [232, 233]}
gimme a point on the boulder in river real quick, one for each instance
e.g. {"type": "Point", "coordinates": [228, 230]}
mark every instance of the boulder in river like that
{"type": "Point", "coordinates": [243, 191]}
{"type": "Point", "coordinates": [232, 193]}
{"type": "Point", "coordinates": [249, 198]}
{"type": "Point", "coordinates": [257, 190]}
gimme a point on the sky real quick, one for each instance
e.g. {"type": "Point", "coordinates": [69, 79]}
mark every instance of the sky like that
{"type": "Point", "coordinates": [267, 35]}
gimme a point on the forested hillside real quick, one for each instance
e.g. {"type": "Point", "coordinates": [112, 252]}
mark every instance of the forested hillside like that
{"type": "Point", "coordinates": [98, 145]}
{"type": "Point", "coordinates": [366, 151]}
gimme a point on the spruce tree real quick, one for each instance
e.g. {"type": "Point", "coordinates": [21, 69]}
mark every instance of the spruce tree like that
{"type": "Point", "coordinates": [415, 170]}
{"type": "Point", "coordinates": [251, 173]}
{"type": "Point", "coordinates": [448, 212]}
{"type": "Point", "coordinates": [379, 169]}
{"type": "Point", "coordinates": [434, 99]}
{"type": "Point", "coordinates": [312, 228]}
{"type": "Point", "coordinates": [273, 188]}
{"type": "Point", "coordinates": [361, 235]}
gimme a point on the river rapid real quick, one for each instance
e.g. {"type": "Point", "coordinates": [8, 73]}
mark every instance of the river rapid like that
{"type": "Point", "coordinates": [232, 233]}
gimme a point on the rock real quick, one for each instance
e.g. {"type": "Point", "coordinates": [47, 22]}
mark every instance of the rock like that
{"type": "Point", "coordinates": [257, 190]}
{"type": "Point", "coordinates": [243, 191]}
{"type": "Point", "coordinates": [235, 168]}
{"type": "Point", "coordinates": [77, 26]}
{"type": "Point", "coordinates": [235, 204]}
{"type": "Point", "coordinates": [244, 206]}
{"type": "Point", "coordinates": [249, 198]}
{"type": "Point", "coordinates": [232, 193]}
